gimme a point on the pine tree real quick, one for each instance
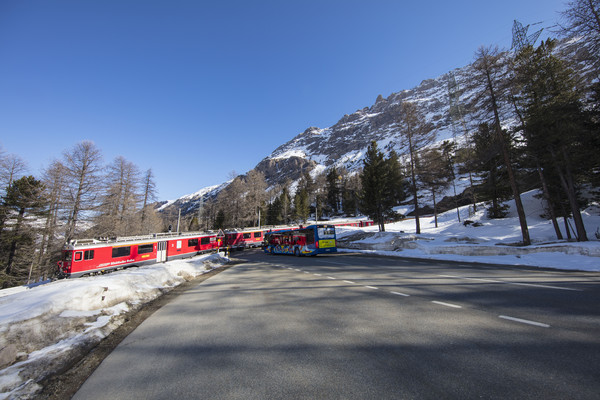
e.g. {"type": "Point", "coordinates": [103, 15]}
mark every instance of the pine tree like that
{"type": "Point", "coordinates": [488, 162]}
{"type": "Point", "coordinates": [557, 129]}
{"type": "Point", "coordinates": [25, 197]}
{"type": "Point", "coordinates": [377, 196]}
{"type": "Point", "coordinates": [301, 205]}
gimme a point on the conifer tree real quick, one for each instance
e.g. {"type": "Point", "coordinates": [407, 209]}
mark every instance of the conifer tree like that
{"type": "Point", "coordinates": [488, 162]}
{"type": "Point", "coordinates": [379, 193]}
{"type": "Point", "coordinates": [26, 198]}
{"type": "Point", "coordinates": [558, 131]}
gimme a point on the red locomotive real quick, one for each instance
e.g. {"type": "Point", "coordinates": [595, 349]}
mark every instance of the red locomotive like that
{"type": "Point", "coordinates": [90, 256]}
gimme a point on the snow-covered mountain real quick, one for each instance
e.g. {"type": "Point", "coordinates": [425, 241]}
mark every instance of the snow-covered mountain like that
{"type": "Point", "coordinates": [191, 202]}
{"type": "Point", "coordinates": [345, 143]}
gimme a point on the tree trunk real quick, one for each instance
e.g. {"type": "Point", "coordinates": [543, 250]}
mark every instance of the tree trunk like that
{"type": "Point", "coordinates": [414, 190]}
{"type": "Point", "coordinates": [511, 175]}
{"type": "Point", "coordinates": [579, 226]}
{"type": "Point", "coordinates": [548, 199]}
{"type": "Point", "coordinates": [434, 209]}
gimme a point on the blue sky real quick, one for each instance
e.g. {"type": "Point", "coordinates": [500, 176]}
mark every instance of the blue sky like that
{"type": "Point", "coordinates": [198, 89]}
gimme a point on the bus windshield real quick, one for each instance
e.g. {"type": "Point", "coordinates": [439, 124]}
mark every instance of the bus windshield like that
{"type": "Point", "coordinates": [327, 232]}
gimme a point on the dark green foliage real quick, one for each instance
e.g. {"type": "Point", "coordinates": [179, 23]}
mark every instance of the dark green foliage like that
{"type": "Point", "coordinates": [220, 220]}
{"type": "Point", "coordinates": [488, 162]}
{"type": "Point", "coordinates": [23, 203]}
{"type": "Point", "coordinates": [559, 132]}
{"type": "Point", "coordinates": [302, 204]}
{"type": "Point", "coordinates": [380, 186]}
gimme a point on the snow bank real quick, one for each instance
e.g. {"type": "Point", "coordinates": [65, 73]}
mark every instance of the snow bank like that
{"type": "Point", "coordinates": [483, 240]}
{"type": "Point", "coordinates": [43, 327]}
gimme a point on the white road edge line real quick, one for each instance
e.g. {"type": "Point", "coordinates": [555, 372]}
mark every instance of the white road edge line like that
{"type": "Point", "coordinates": [524, 321]}
{"type": "Point", "coordinates": [371, 287]}
{"type": "Point", "coordinates": [354, 283]}
{"type": "Point", "coordinates": [441, 303]}
{"type": "Point", "coordinates": [400, 294]}
{"type": "Point", "coordinates": [330, 277]}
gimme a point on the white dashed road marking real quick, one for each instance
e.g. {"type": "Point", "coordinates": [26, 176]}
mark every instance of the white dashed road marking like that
{"type": "Point", "coordinates": [441, 303]}
{"type": "Point", "coordinates": [524, 321]}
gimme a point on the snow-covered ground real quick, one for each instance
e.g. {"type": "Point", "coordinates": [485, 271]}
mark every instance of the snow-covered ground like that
{"type": "Point", "coordinates": [491, 242]}
{"type": "Point", "coordinates": [42, 327]}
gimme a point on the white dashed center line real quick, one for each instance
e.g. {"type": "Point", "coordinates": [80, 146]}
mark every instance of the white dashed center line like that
{"type": "Point", "coordinates": [524, 321]}
{"type": "Point", "coordinates": [441, 303]}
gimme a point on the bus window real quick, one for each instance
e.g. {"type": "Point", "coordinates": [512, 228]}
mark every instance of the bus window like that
{"type": "Point", "coordinates": [327, 232]}
{"type": "Point", "coordinates": [310, 236]}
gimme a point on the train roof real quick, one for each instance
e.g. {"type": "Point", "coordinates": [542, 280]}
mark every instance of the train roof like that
{"type": "Point", "coordinates": [123, 240]}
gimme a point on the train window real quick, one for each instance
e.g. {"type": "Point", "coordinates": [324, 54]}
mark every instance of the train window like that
{"type": "Point", "coordinates": [257, 234]}
{"type": "Point", "coordinates": [145, 248]}
{"type": "Point", "coordinates": [78, 256]}
{"type": "Point", "coordinates": [247, 235]}
{"type": "Point", "coordinates": [88, 255]}
{"type": "Point", "coordinates": [205, 240]}
{"type": "Point", "coordinates": [192, 242]}
{"type": "Point", "coordinates": [121, 251]}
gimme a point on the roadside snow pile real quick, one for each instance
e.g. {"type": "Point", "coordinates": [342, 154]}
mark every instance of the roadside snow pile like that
{"type": "Point", "coordinates": [483, 239]}
{"type": "Point", "coordinates": [42, 328]}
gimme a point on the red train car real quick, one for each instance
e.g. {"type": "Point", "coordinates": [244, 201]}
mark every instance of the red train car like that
{"type": "Point", "coordinates": [239, 240]}
{"type": "Point", "coordinates": [90, 256]}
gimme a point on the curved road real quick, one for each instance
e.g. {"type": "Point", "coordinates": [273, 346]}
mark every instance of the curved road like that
{"type": "Point", "coordinates": [364, 327]}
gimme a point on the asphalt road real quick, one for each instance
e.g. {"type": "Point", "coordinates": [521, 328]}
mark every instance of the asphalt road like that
{"type": "Point", "coordinates": [364, 327]}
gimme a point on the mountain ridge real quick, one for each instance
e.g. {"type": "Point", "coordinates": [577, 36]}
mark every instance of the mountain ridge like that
{"type": "Point", "coordinates": [344, 143]}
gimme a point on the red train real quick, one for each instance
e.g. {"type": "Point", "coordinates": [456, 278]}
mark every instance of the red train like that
{"type": "Point", "coordinates": [248, 238]}
{"type": "Point", "coordinates": [90, 256]}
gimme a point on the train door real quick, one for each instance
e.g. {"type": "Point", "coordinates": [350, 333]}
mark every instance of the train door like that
{"type": "Point", "coordinates": [161, 251]}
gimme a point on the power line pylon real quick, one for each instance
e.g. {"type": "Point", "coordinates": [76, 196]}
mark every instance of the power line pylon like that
{"type": "Point", "coordinates": [520, 38]}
